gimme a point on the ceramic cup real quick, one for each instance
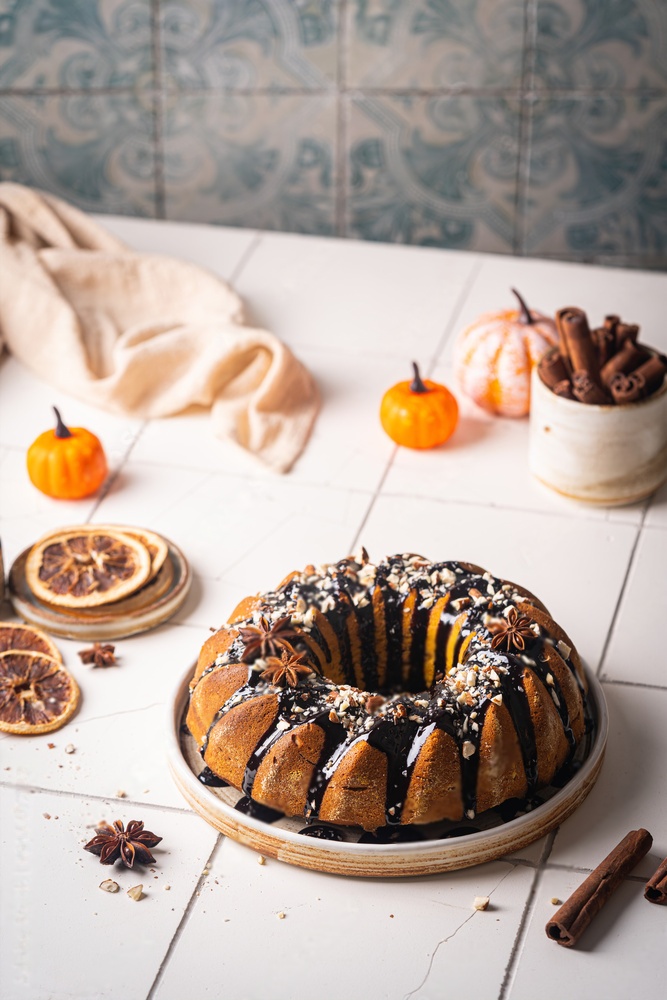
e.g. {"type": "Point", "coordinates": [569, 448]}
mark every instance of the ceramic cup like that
{"type": "Point", "coordinates": [608, 455]}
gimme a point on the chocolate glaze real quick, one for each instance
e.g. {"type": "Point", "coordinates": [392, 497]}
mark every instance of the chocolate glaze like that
{"type": "Point", "coordinates": [321, 832]}
{"type": "Point", "coordinates": [401, 739]}
{"type": "Point", "coordinates": [210, 779]}
{"type": "Point", "coordinates": [251, 808]}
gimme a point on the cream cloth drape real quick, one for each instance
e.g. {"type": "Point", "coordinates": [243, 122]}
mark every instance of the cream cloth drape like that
{"type": "Point", "coordinates": [140, 334]}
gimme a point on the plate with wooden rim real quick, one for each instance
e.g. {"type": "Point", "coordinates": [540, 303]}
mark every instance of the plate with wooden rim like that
{"type": "Point", "coordinates": [150, 606]}
{"type": "Point", "coordinates": [393, 851]}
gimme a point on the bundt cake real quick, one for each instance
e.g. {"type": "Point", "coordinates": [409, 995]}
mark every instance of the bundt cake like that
{"type": "Point", "coordinates": [406, 692]}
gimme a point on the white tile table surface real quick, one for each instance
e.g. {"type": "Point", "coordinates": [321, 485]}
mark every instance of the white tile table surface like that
{"type": "Point", "coordinates": [357, 314]}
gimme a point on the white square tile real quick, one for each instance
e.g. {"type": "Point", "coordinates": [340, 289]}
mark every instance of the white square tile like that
{"type": "Point", "coordinates": [354, 937]}
{"type": "Point", "coordinates": [61, 936]}
{"type": "Point", "coordinates": [636, 651]}
{"type": "Point", "coordinates": [119, 728]}
{"type": "Point", "coordinates": [576, 567]}
{"type": "Point", "coordinates": [485, 462]}
{"type": "Point", "coordinates": [656, 515]}
{"type": "Point", "coordinates": [250, 531]}
{"type": "Point", "coordinates": [621, 956]}
{"type": "Point", "coordinates": [218, 248]}
{"type": "Point", "coordinates": [359, 297]}
{"type": "Point", "coordinates": [630, 790]}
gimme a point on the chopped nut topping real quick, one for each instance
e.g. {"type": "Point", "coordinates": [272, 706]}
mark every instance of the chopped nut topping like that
{"type": "Point", "coordinates": [109, 885]}
{"type": "Point", "coordinates": [481, 903]}
{"type": "Point", "coordinates": [136, 892]}
{"type": "Point", "coordinates": [468, 749]}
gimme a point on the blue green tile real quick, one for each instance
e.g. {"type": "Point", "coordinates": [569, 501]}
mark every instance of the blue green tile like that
{"type": "Point", "coordinates": [436, 171]}
{"type": "Point", "coordinates": [601, 44]}
{"type": "Point", "coordinates": [75, 44]}
{"type": "Point", "coordinates": [94, 150]}
{"type": "Point", "coordinates": [597, 178]}
{"type": "Point", "coordinates": [434, 44]}
{"type": "Point", "coordinates": [260, 160]}
{"type": "Point", "coordinates": [249, 44]}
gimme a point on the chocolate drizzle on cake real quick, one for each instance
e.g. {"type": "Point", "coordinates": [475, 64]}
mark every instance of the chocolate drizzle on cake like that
{"type": "Point", "coordinates": [421, 637]}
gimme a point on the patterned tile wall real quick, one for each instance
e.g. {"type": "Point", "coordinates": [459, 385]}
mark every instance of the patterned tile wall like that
{"type": "Point", "coordinates": [516, 126]}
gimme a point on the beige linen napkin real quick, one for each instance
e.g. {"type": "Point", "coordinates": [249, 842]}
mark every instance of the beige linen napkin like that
{"type": "Point", "coordinates": [140, 334]}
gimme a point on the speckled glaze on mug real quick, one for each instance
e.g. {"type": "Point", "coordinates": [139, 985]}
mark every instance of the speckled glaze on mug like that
{"type": "Point", "coordinates": [610, 455]}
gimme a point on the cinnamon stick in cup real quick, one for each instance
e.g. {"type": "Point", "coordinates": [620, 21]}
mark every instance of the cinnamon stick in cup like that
{"type": "Point", "coordinates": [653, 372]}
{"type": "Point", "coordinates": [605, 342]}
{"type": "Point", "coordinates": [576, 336]}
{"type": "Point", "coordinates": [563, 389]}
{"type": "Point", "coordinates": [627, 388]}
{"type": "Point", "coordinates": [551, 369]}
{"type": "Point", "coordinates": [626, 332]}
{"type": "Point", "coordinates": [571, 920]}
{"type": "Point", "coordinates": [630, 357]}
{"type": "Point", "coordinates": [587, 391]}
{"type": "Point", "coordinates": [656, 887]}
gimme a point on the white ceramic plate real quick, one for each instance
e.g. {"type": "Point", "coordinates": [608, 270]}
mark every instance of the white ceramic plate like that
{"type": "Point", "coordinates": [282, 840]}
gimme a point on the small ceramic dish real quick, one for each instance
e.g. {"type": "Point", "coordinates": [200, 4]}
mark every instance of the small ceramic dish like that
{"type": "Point", "coordinates": [609, 455]}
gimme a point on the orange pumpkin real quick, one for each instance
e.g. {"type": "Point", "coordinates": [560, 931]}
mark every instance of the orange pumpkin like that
{"type": "Point", "coordinates": [419, 414]}
{"type": "Point", "coordinates": [494, 357]}
{"type": "Point", "coordinates": [67, 463]}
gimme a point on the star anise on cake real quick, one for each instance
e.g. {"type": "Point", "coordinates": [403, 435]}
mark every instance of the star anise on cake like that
{"type": "Point", "coordinates": [288, 670]}
{"type": "Point", "coordinates": [130, 846]}
{"type": "Point", "coordinates": [511, 633]}
{"type": "Point", "coordinates": [267, 639]}
{"type": "Point", "coordinates": [100, 655]}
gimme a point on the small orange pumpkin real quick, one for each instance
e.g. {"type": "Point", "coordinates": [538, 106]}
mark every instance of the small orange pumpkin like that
{"type": "Point", "coordinates": [493, 358]}
{"type": "Point", "coordinates": [419, 414]}
{"type": "Point", "coordinates": [67, 463]}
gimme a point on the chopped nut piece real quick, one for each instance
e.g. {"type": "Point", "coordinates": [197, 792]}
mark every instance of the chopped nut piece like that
{"type": "Point", "coordinates": [166, 888]}
{"type": "Point", "coordinates": [46, 815]}
{"type": "Point", "coordinates": [468, 749]}
{"type": "Point", "coordinates": [281, 915]}
{"type": "Point", "coordinates": [261, 860]}
{"type": "Point", "coordinates": [563, 649]}
{"type": "Point", "coordinates": [136, 892]}
{"type": "Point", "coordinates": [120, 794]}
{"type": "Point", "coordinates": [555, 901]}
{"type": "Point", "coordinates": [109, 885]}
{"type": "Point", "coordinates": [70, 748]}
{"type": "Point", "coordinates": [481, 903]}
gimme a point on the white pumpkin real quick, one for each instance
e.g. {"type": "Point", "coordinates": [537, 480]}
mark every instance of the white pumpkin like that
{"type": "Point", "coordinates": [494, 357]}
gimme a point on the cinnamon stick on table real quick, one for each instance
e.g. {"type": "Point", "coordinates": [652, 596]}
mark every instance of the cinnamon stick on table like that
{"type": "Point", "coordinates": [656, 887]}
{"type": "Point", "coordinates": [571, 920]}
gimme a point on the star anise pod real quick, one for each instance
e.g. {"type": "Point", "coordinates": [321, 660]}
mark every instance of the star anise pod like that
{"type": "Point", "coordinates": [131, 845]}
{"type": "Point", "coordinates": [288, 670]}
{"type": "Point", "coordinates": [99, 654]}
{"type": "Point", "coordinates": [266, 639]}
{"type": "Point", "coordinates": [512, 632]}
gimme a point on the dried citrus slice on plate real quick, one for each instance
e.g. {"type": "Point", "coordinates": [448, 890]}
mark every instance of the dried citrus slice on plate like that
{"type": "Point", "coordinates": [87, 567]}
{"type": "Point", "coordinates": [156, 545]}
{"type": "Point", "coordinates": [37, 694]}
{"type": "Point", "coordinates": [15, 636]}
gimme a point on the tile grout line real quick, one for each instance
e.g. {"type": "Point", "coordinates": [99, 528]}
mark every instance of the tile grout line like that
{"type": "Point", "coordinates": [109, 484]}
{"type": "Point", "coordinates": [621, 595]}
{"type": "Point", "coordinates": [249, 251]}
{"type": "Point", "coordinates": [67, 794]}
{"type": "Point", "coordinates": [183, 921]}
{"type": "Point", "coordinates": [632, 684]}
{"type": "Point", "coordinates": [525, 123]}
{"type": "Point", "coordinates": [458, 305]}
{"type": "Point", "coordinates": [520, 935]}
{"type": "Point", "coordinates": [341, 124]}
{"type": "Point", "coordinates": [158, 110]}
{"type": "Point", "coordinates": [278, 91]}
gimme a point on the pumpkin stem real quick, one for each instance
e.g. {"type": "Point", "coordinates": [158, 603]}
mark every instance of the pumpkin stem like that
{"type": "Point", "coordinates": [61, 430]}
{"type": "Point", "coordinates": [417, 385]}
{"type": "Point", "coordinates": [526, 316]}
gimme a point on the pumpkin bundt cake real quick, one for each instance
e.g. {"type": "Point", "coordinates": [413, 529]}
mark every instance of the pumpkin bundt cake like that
{"type": "Point", "coordinates": [406, 692]}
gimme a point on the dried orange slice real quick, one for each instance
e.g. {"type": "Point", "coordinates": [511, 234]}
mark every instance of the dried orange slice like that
{"type": "Point", "coordinates": [37, 694]}
{"type": "Point", "coordinates": [87, 567]}
{"type": "Point", "coordinates": [156, 545]}
{"type": "Point", "coordinates": [15, 636]}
